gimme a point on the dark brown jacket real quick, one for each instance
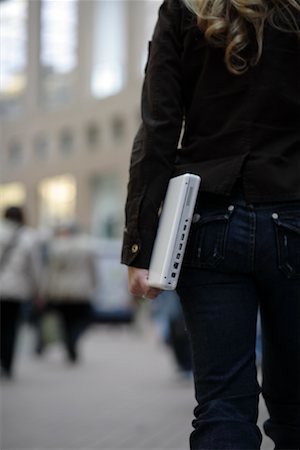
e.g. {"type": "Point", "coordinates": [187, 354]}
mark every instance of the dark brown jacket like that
{"type": "Point", "coordinates": [246, 125]}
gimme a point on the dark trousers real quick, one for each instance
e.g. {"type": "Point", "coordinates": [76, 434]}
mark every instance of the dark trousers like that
{"type": "Point", "coordinates": [9, 319]}
{"type": "Point", "coordinates": [238, 257]}
{"type": "Point", "coordinates": [180, 344]}
{"type": "Point", "coordinates": [75, 319]}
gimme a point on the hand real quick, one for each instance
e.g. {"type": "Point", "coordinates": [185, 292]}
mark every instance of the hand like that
{"type": "Point", "coordinates": [138, 283]}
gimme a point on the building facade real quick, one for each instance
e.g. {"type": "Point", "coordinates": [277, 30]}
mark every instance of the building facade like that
{"type": "Point", "coordinates": [70, 105]}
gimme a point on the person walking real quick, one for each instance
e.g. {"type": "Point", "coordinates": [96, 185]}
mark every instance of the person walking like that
{"type": "Point", "coordinates": [20, 269]}
{"type": "Point", "coordinates": [70, 283]}
{"type": "Point", "coordinates": [169, 320]}
{"type": "Point", "coordinates": [225, 74]}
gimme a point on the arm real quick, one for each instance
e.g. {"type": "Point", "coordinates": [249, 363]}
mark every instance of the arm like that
{"type": "Point", "coordinates": [155, 145]}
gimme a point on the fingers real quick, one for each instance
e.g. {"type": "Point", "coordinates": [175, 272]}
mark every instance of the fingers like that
{"type": "Point", "coordinates": [138, 283]}
{"type": "Point", "coordinates": [152, 293]}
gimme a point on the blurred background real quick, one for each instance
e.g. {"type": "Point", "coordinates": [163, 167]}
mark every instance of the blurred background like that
{"type": "Point", "coordinates": [70, 81]}
{"type": "Point", "coordinates": [71, 73]}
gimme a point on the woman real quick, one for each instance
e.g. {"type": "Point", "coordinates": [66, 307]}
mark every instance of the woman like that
{"type": "Point", "coordinates": [230, 71]}
{"type": "Point", "coordinates": [20, 272]}
{"type": "Point", "coordinates": [71, 278]}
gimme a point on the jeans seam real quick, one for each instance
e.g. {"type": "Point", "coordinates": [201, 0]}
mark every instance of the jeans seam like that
{"type": "Point", "coordinates": [252, 240]}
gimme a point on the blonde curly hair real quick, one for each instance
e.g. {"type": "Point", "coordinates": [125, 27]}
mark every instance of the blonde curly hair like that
{"type": "Point", "coordinates": [229, 23]}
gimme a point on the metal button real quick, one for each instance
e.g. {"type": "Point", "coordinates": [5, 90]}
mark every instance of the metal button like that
{"type": "Point", "coordinates": [230, 207]}
{"type": "Point", "coordinates": [275, 216]}
{"type": "Point", "coordinates": [196, 218]}
{"type": "Point", "coordinates": [134, 248]}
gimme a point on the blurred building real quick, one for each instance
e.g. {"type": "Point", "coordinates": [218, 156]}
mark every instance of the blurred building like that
{"type": "Point", "coordinates": [71, 73]}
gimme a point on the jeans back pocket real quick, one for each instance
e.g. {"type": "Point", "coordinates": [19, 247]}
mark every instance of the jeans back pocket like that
{"type": "Point", "coordinates": [287, 229]}
{"type": "Point", "coordinates": [207, 240]}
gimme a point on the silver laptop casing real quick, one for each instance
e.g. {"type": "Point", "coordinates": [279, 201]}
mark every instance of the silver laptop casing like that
{"type": "Point", "coordinates": [173, 230]}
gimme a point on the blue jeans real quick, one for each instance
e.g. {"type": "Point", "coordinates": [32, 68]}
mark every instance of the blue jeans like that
{"type": "Point", "coordinates": [240, 257]}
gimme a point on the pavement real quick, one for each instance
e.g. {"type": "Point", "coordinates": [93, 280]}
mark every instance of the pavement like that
{"type": "Point", "coordinates": [124, 394]}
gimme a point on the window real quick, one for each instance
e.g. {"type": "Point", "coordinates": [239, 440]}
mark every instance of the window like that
{"type": "Point", "coordinates": [15, 152]}
{"type": "Point", "coordinates": [118, 128]}
{"type": "Point", "coordinates": [41, 147]}
{"type": "Point", "coordinates": [106, 220]}
{"type": "Point", "coordinates": [57, 197]}
{"type": "Point", "coordinates": [11, 194]}
{"type": "Point", "coordinates": [109, 57]}
{"type": "Point", "coordinates": [66, 141]}
{"type": "Point", "coordinates": [92, 136]}
{"type": "Point", "coordinates": [58, 54]}
{"type": "Point", "coordinates": [13, 55]}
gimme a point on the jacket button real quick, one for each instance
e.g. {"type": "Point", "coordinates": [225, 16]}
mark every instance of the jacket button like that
{"type": "Point", "coordinates": [134, 248]}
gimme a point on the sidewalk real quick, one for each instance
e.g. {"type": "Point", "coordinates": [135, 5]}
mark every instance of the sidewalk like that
{"type": "Point", "coordinates": [124, 395]}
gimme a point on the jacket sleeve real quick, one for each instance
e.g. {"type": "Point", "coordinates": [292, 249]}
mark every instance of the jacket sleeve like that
{"type": "Point", "coordinates": [155, 145]}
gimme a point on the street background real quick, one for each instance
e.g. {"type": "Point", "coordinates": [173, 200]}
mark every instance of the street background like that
{"type": "Point", "coordinates": [124, 394]}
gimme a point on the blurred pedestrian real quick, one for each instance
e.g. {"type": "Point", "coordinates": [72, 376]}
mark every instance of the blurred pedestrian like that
{"type": "Point", "coordinates": [168, 317]}
{"type": "Point", "coordinates": [20, 268]}
{"type": "Point", "coordinates": [70, 283]}
{"type": "Point", "coordinates": [228, 73]}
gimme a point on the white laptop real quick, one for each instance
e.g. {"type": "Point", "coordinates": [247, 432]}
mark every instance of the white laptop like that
{"type": "Point", "coordinates": [173, 230]}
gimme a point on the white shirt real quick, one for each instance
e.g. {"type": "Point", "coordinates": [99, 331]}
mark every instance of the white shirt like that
{"type": "Point", "coordinates": [20, 273]}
